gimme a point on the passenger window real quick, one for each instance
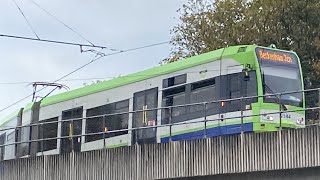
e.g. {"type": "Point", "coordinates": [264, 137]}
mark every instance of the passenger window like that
{"type": "Point", "coordinates": [202, 91]}
{"type": "Point", "coordinates": [48, 130]}
{"type": "Point", "coordinates": [173, 97]}
{"type": "Point", "coordinates": [110, 122]}
{"type": "Point", "coordinates": [173, 81]}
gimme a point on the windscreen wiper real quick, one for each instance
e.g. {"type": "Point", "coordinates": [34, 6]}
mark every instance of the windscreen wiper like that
{"type": "Point", "coordinates": [269, 90]}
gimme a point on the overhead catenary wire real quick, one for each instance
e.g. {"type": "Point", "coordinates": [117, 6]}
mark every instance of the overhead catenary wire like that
{"type": "Point", "coordinates": [25, 18]}
{"type": "Point", "coordinates": [28, 82]}
{"type": "Point", "coordinates": [79, 68]}
{"type": "Point", "coordinates": [53, 41]}
{"type": "Point", "coordinates": [64, 24]}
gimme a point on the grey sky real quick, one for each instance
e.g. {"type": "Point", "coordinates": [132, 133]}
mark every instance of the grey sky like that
{"type": "Point", "coordinates": [113, 23]}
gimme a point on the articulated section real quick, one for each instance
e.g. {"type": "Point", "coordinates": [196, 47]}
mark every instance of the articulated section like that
{"type": "Point", "coordinates": [287, 149]}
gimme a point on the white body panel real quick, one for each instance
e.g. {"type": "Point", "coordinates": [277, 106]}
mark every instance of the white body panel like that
{"type": "Point", "coordinates": [126, 92]}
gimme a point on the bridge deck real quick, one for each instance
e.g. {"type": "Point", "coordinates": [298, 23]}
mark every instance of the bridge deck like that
{"type": "Point", "coordinates": [286, 149]}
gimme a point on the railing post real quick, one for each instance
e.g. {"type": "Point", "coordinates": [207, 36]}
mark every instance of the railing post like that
{"type": "Point", "coordinates": [170, 124]}
{"type": "Point", "coordinates": [280, 113]}
{"type": "Point", "coordinates": [71, 135]}
{"type": "Point", "coordinates": [241, 107]}
{"type": "Point", "coordinates": [42, 137]}
{"type": "Point", "coordinates": [135, 129]}
{"type": "Point", "coordinates": [205, 119]}
{"type": "Point", "coordinates": [104, 131]}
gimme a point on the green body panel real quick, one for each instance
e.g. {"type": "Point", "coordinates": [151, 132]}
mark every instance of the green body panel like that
{"type": "Point", "coordinates": [116, 145]}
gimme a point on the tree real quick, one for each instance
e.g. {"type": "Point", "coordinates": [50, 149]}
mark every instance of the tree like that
{"type": "Point", "coordinates": [290, 24]}
{"type": "Point", "coordinates": [205, 26]}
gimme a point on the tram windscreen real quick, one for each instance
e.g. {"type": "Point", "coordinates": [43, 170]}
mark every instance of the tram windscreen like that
{"type": "Point", "coordinates": [280, 74]}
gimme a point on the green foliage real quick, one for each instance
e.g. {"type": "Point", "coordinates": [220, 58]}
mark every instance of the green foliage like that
{"type": "Point", "coordinates": [206, 25]}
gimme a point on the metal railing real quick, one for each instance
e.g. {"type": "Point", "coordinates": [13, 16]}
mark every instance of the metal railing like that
{"type": "Point", "coordinates": [203, 119]}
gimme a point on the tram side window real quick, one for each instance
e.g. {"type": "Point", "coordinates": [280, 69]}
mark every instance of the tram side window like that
{"type": "Point", "coordinates": [25, 137]}
{"type": "Point", "coordinates": [203, 91]}
{"type": "Point", "coordinates": [173, 97]}
{"type": "Point", "coordinates": [11, 150]}
{"type": "Point", "coordinates": [46, 131]}
{"type": "Point", "coordinates": [118, 121]}
{"type": "Point", "coordinates": [11, 136]}
{"type": "Point", "coordinates": [110, 122]}
{"type": "Point", "coordinates": [95, 124]}
{"type": "Point", "coordinates": [173, 81]}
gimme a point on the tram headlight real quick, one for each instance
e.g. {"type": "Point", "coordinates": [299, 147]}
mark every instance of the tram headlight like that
{"type": "Point", "coordinates": [267, 118]}
{"type": "Point", "coordinates": [270, 118]}
{"type": "Point", "coordinates": [300, 121]}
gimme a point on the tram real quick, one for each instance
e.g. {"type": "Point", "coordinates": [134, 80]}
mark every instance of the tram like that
{"type": "Point", "coordinates": [233, 89]}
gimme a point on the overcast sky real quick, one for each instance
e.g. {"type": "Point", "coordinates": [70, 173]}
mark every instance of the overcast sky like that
{"type": "Point", "coordinates": [120, 24]}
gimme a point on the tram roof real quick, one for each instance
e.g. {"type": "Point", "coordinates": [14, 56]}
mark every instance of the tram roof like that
{"type": "Point", "coordinates": [143, 75]}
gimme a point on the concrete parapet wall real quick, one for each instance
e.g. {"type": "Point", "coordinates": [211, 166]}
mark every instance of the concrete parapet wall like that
{"type": "Point", "coordinates": [286, 149]}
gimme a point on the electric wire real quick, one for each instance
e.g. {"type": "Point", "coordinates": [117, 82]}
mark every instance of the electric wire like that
{"type": "Point", "coordinates": [66, 80]}
{"type": "Point", "coordinates": [25, 18]}
{"type": "Point", "coordinates": [64, 24]}
{"type": "Point", "coordinates": [81, 67]}
{"type": "Point", "coordinates": [53, 41]}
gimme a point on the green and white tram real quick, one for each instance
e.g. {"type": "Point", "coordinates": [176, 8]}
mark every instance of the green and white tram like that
{"type": "Point", "coordinates": [207, 86]}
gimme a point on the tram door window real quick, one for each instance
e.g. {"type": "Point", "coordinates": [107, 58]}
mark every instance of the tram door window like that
{"type": "Point", "coordinates": [234, 90]}
{"type": "Point", "coordinates": [71, 128]}
{"type": "Point", "coordinates": [143, 101]}
{"type": "Point", "coordinates": [2, 148]}
{"type": "Point", "coordinates": [251, 88]}
{"type": "Point", "coordinates": [238, 86]}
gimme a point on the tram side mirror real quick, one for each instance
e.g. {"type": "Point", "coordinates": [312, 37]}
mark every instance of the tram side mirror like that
{"type": "Point", "coordinates": [246, 76]}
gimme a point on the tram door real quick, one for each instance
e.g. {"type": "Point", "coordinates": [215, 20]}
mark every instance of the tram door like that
{"type": "Point", "coordinates": [143, 101]}
{"type": "Point", "coordinates": [71, 128]}
{"type": "Point", "coordinates": [2, 140]}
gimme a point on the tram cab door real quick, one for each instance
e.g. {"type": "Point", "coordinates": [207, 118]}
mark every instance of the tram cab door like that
{"type": "Point", "coordinates": [142, 102]}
